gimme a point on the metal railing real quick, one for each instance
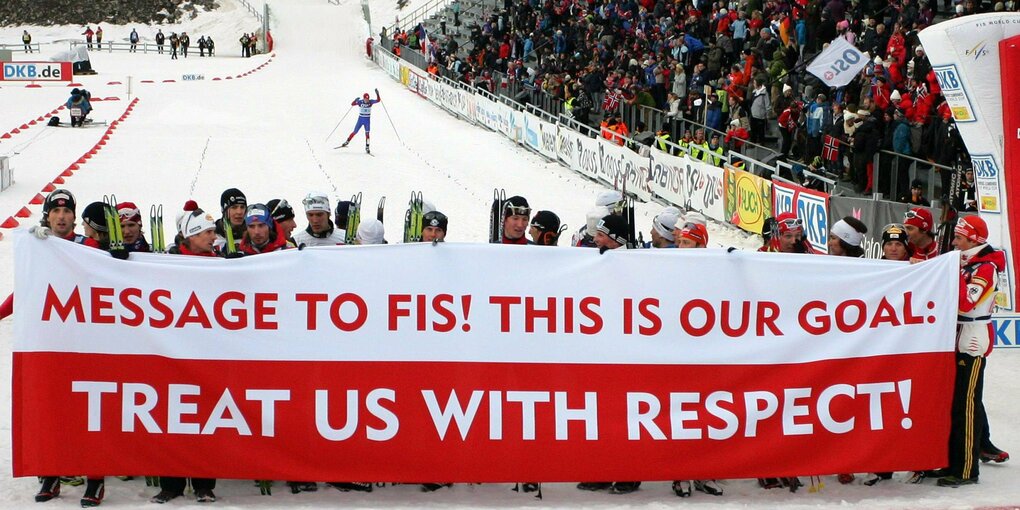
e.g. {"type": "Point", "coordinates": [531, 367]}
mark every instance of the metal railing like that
{"type": "Point", "coordinates": [421, 13]}
{"type": "Point", "coordinates": [252, 10]}
{"type": "Point", "coordinates": [142, 47]}
{"type": "Point", "coordinates": [893, 173]}
{"type": "Point", "coordinates": [20, 47]}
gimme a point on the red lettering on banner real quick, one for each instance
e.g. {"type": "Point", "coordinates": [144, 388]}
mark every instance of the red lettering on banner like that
{"type": "Point", "coordinates": [240, 317]}
{"type": "Point", "coordinates": [745, 317]}
{"type": "Point", "coordinates": [532, 314]}
{"type": "Point", "coordinates": [647, 308]}
{"type": "Point", "coordinates": [768, 313]}
{"type": "Point", "coordinates": [161, 307]}
{"type": "Point", "coordinates": [395, 310]}
{"type": "Point", "coordinates": [101, 303]}
{"type": "Point", "coordinates": [440, 305]}
{"type": "Point", "coordinates": [334, 312]}
{"type": "Point", "coordinates": [53, 304]}
{"type": "Point", "coordinates": [821, 324]}
{"type": "Point", "coordinates": [628, 316]}
{"type": "Point", "coordinates": [908, 310]}
{"type": "Point", "coordinates": [590, 310]}
{"type": "Point", "coordinates": [886, 314]}
{"type": "Point", "coordinates": [685, 317]}
{"type": "Point", "coordinates": [264, 312]}
{"type": "Point", "coordinates": [851, 315]}
{"type": "Point", "coordinates": [193, 313]}
{"type": "Point", "coordinates": [312, 301]}
{"type": "Point", "coordinates": [139, 317]}
{"type": "Point", "coordinates": [504, 302]}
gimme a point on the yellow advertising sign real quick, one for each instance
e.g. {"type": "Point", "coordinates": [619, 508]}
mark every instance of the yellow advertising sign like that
{"type": "Point", "coordinates": [748, 199]}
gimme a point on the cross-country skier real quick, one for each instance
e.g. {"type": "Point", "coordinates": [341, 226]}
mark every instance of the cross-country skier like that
{"type": "Point", "coordinates": [364, 105]}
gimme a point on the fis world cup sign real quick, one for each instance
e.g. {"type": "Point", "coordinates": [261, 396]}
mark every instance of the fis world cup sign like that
{"type": "Point", "coordinates": [36, 71]}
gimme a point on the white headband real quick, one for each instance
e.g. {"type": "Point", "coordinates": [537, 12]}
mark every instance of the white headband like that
{"type": "Point", "coordinates": [844, 231]}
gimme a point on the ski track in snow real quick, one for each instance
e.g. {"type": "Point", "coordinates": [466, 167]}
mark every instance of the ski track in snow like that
{"type": "Point", "coordinates": [263, 133]}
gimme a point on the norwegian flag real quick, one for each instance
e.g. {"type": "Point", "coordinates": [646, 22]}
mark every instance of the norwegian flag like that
{"type": "Point", "coordinates": [830, 152]}
{"type": "Point", "coordinates": [612, 100]}
{"type": "Point", "coordinates": [921, 91]}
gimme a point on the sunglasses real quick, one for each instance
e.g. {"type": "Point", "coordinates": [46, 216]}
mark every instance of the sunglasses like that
{"type": "Point", "coordinates": [792, 223]}
{"type": "Point", "coordinates": [281, 205]}
{"type": "Point", "coordinates": [910, 215]}
{"type": "Point", "coordinates": [309, 201]}
{"type": "Point", "coordinates": [513, 210]}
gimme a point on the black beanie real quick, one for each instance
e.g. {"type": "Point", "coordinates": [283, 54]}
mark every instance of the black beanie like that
{"type": "Point", "coordinates": [435, 219]}
{"type": "Point", "coordinates": [342, 208]}
{"type": "Point", "coordinates": [58, 198]}
{"type": "Point", "coordinates": [232, 197]}
{"type": "Point", "coordinates": [280, 210]}
{"type": "Point", "coordinates": [546, 221]}
{"type": "Point", "coordinates": [518, 202]}
{"type": "Point", "coordinates": [615, 227]}
{"type": "Point", "coordinates": [94, 216]}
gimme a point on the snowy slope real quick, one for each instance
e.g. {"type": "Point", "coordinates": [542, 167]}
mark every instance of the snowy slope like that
{"type": "Point", "coordinates": [264, 133]}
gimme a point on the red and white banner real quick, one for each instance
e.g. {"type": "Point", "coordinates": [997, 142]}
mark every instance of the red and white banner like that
{"type": "Point", "coordinates": [36, 71]}
{"type": "Point", "coordinates": [411, 363]}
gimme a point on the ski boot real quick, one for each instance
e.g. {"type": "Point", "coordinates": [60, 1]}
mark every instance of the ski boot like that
{"type": "Point", "coordinates": [94, 492]}
{"type": "Point", "coordinates": [682, 488]}
{"type": "Point", "coordinates": [49, 490]}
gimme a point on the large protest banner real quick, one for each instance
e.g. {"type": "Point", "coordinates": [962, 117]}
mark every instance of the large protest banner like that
{"type": "Point", "coordinates": [285, 366]}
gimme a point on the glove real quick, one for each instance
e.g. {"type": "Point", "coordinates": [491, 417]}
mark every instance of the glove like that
{"type": "Point", "coordinates": [119, 253]}
{"type": "Point", "coordinates": [235, 255]}
{"type": "Point", "coordinates": [377, 94]}
{"type": "Point", "coordinates": [40, 232]}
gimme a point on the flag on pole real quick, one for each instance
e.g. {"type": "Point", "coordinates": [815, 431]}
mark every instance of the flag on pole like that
{"type": "Point", "coordinates": [839, 63]}
{"type": "Point", "coordinates": [830, 151]}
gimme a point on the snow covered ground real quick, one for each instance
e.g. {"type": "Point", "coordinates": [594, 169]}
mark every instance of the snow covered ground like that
{"type": "Point", "coordinates": [264, 133]}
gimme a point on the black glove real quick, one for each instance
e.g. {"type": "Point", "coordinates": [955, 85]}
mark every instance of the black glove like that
{"type": "Point", "coordinates": [119, 253]}
{"type": "Point", "coordinates": [377, 94]}
{"type": "Point", "coordinates": [235, 255]}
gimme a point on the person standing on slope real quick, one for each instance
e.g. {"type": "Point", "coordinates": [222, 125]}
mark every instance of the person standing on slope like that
{"type": "Point", "coordinates": [364, 105]}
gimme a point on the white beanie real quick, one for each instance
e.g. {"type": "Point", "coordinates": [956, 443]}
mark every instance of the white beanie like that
{"type": "Point", "coordinates": [194, 222]}
{"type": "Point", "coordinates": [371, 231]}
{"type": "Point", "coordinates": [427, 207]}
{"type": "Point", "coordinates": [608, 198]}
{"type": "Point", "coordinates": [316, 201]}
{"type": "Point", "coordinates": [786, 87]}
{"type": "Point", "coordinates": [895, 96]}
{"type": "Point", "coordinates": [694, 217]}
{"type": "Point", "coordinates": [594, 217]}
{"type": "Point", "coordinates": [665, 222]}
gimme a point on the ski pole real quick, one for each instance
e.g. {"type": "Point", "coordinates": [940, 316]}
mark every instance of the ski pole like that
{"type": "Point", "coordinates": [338, 122]}
{"type": "Point", "coordinates": [387, 112]}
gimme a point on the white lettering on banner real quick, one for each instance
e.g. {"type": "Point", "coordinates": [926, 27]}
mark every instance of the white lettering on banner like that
{"type": "Point", "coordinates": [761, 406]}
{"type": "Point", "coordinates": [532, 131]}
{"type": "Point", "coordinates": [810, 206]}
{"type": "Point", "coordinates": [666, 177]}
{"type": "Point", "coordinates": [703, 188]}
{"type": "Point", "coordinates": [588, 156]}
{"type": "Point", "coordinates": [838, 64]}
{"type": "Point", "coordinates": [986, 183]}
{"type": "Point", "coordinates": [374, 406]}
{"type": "Point", "coordinates": [566, 147]}
{"type": "Point", "coordinates": [550, 135]}
{"type": "Point", "coordinates": [951, 83]}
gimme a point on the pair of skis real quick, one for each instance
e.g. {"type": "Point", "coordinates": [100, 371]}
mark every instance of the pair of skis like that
{"type": "Point", "coordinates": [156, 229]}
{"type": "Point", "coordinates": [497, 215]}
{"type": "Point", "coordinates": [113, 222]}
{"type": "Point", "coordinates": [353, 219]}
{"type": "Point", "coordinates": [413, 218]}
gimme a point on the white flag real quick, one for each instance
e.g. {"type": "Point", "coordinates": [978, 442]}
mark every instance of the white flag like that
{"type": "Point", "coordinates": [839, 63]}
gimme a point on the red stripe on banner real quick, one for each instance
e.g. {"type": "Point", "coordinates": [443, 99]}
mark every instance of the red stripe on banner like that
{"type": "Point", "coordinates": [1009, 59]}
{"type": "Point", "coordinates": [885, 413]}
